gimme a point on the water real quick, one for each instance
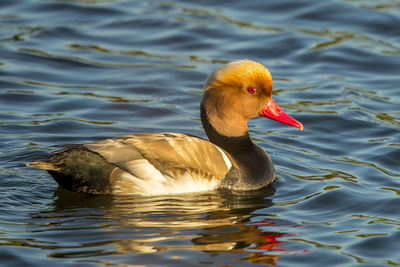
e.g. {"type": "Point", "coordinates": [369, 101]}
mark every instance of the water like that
{"type": "Point", "coordinates": [77, 71]}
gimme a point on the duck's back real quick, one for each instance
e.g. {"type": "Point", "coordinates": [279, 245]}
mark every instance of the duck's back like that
{"type": "Point", "coordinates": [145, 164]}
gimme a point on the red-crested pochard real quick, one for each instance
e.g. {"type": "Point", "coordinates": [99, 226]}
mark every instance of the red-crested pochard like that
{"type": "Point", "coordinates": [170, 163]}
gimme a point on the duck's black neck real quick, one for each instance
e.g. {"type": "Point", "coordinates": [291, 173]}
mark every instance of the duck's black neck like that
{"type": "Point", "coordinates": [255, 166]}
{"type": "Point", "coordinates": [233, 145]}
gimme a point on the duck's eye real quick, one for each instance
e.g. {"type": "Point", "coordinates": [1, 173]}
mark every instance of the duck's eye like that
{"type": "Point", "coordinates": [252, 90]}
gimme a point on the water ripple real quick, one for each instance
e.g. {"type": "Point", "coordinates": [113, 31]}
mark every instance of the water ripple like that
{"type": "Point", "coordinates": [82, 70]}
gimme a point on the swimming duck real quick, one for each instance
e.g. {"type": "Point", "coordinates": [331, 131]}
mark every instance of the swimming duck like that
{"type": "Point", "coordinates": [172, 163]}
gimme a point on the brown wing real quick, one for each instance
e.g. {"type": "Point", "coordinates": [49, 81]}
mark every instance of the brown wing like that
{"type": "Point", "coordinates": [163, 162]}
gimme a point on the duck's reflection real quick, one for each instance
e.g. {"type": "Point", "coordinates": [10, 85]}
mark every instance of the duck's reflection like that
{"type": "Point", "coordinates": [213, 223]}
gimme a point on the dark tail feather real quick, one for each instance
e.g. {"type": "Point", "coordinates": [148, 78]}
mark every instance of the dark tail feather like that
{"type": "Point", "coordinates": [78, 169]}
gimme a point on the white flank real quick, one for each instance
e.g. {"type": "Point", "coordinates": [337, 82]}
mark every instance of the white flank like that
{"type": "Point", "coordinates": [143, 169]}
{"type": "Point", "coordinates": [165, 185]}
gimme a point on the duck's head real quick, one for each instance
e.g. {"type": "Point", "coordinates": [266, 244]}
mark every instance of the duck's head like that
{"type": "Point", "coordinates": [240, 91]}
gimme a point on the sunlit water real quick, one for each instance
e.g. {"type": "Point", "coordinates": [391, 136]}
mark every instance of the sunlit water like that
{"type": "Point", "coordinates": [77, 71]}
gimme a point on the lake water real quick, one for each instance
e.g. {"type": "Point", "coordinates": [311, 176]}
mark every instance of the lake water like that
{"type": "Point", "coordinates": [78, 71]}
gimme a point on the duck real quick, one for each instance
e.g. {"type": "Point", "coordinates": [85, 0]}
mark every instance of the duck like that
{"type": "Point", "coordinates": [175, 163]}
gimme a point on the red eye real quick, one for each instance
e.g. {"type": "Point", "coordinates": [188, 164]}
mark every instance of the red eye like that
{"type": "Point", "coordinates": [252, 90]}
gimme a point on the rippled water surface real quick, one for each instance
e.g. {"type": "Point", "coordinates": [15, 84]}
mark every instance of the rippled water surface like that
{"type": "Point", "coordinates": [78, 71]}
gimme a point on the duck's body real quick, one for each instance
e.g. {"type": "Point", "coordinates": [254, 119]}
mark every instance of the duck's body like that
{"type": "Point", "coordinates": [165, 163]}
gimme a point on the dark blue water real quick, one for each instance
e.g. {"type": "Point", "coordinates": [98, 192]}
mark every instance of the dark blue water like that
{"type": "Point", "coordinates": [78, 71]}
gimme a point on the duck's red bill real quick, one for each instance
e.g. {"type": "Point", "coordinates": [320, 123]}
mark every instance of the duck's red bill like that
{"type": "Point", "coordinates": [272, 111]}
